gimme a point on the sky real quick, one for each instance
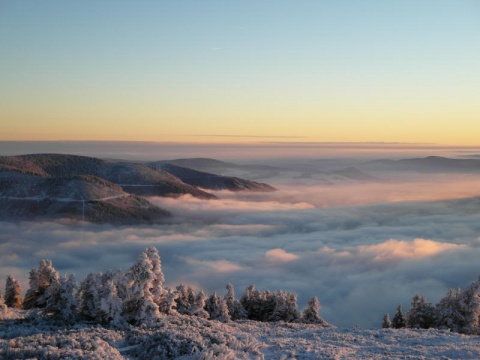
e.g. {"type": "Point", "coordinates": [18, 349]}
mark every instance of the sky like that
{"type": "Point", "coordinates": [240, 71]}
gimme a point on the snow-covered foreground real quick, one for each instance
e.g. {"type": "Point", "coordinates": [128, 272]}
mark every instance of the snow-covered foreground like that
{"type": "Point", "coordinates": [186, 337]}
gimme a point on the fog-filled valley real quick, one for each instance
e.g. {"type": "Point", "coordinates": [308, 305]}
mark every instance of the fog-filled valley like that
{"type": "Point", "coordinates": [362, 234]}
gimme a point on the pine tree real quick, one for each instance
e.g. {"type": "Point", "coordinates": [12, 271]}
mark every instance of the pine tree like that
{"type": "Point", "coordinates": [168, 304]}
{"type": "Point", "coordinates": [311, 313]}
{"type": "Point", "coordinates": [469, 306]}
{"type": "Point", "coordinates": [110, 303]}
{"type": "Point", "coordinates": [223, 315]}
{"type": "Point", "coordinates": [252, 303]}
{"type": "Point", "coordinates": [448, 311]}
{"type": "Point", "coordinates": [285, 307]}
{"type": "Point", "coordinates": [185, 300]}
{"type": "Point", "coordinates": [211, 305]}
{"type": "Point", "coordinates": [157, 289]}
{"type": "Point", "coordinates": [386, 324]}
{"type": "Point", "coordinates": [88, 297]}
{"type": "Point", "coordinates": [421, 314]}
{"type": "Point", "coordinates": [398, 321]}
{"type": "Point", "coordinates": [217, 308]}
{"type": "Point", "coordinates": [3, 307]}
{"type": "Point", "coordinates": [235, 308]}
{"type": "Point", "coordinates": [12, 293]}
{"type": "Point", "coordinates": [61, 300]}
{"type": "Point", "coordinates": [40, 280]}
{"type": "Point", "coordinates": [140, 306]}
{"type": "Point", "coordinates": [199, 305]}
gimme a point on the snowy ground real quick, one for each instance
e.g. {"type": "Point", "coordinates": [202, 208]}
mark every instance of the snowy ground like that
{"type": "Point", "coordinates": [192, 338]}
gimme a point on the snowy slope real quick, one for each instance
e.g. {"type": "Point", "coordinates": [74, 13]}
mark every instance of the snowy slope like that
{"type": "Point", "coordinates": [81, 197]}
{"type": "Point", "coordinates": [212, 181]}
{"type": "Point", "coordinates": [134, 178]}
{"type": "Point", "coordinates": [185, 337]}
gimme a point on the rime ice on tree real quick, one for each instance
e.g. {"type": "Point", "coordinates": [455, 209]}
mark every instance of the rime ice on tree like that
{"type": "Point", "coordinates": [235, 308]}
{"type": "Point", "coordinates": [140, 306]}
{"type": "Point", "coordinates": [40, 279]}
{"type": "Point", "coordinates": [311, 313]}
{"type": "Point", "coordinates": [12, 293]}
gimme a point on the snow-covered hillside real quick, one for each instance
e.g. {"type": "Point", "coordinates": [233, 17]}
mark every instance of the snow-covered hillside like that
{"type": "Point", "coordinates": [186, 337]}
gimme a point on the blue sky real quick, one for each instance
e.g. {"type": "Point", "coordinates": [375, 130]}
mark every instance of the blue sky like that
{"type": "Point", "coordinates": [326, 70]}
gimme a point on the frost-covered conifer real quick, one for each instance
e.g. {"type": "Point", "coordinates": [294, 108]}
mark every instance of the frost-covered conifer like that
{"type": "Point", "coordinates": [285, 307]}
{"type": "Point", "coordinates": [223, 315]}
{"type": "Point", "coordinates": [398, 320]}
{"type": "Point", "coordinates": [250, 301]}
{"type": "Point", "coordinates": [40, 279]}
{"type": "Point", "coordinates": [61, 300]}
{"type": "Point", "coordinates": [140, 306]}
{"type": "Point", "coordinates": [3, 307]}
{"type": "Point", "coordinates": [421, 314]}
{"type": "Point", "coordinates": [99, 297]}
{"type": "Point", "coordinates": [199, 305]}
{"type": "Point", "coordinates": [235, 308]}
{"type": "Point", "coordinates": [386, 324]}
{"type": "Point", "coordinates": [88, 298]}
{"type": "Point", "coordinates": [469, 306]}
{"type": "Point", "coordinates": [168, 304]}
{"type": "Point", "coordinates": [217, 308]}
{"type": "Point", "coordinates": [311, 313]}
{"type": "Point", "coordinates": [157, 289]}
{"type": "Point", "coordinates": [211, 305]}
{"type": "Point", "coordinates": [12, 293]}
{"type": "Point", "coordinates": [110, 303]}
{"type": "Point", "coordinates": [185, 300]}
{"type": "Point", "coordinates": [448, 311]}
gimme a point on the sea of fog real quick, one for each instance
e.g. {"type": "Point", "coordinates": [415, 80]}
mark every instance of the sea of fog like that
{"type": "Point", "coordinates": [361, 247]}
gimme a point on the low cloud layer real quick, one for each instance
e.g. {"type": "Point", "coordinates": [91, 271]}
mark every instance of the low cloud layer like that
{"type": "Point", "coordinates": [359, 260]}
{"type": "Point", "coordinates": [360, 247]}
{"type": "Point", "coordinates": [391, 187]}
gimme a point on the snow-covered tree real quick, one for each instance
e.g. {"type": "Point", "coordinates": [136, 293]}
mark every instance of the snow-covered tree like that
{"type": "Point", "coordinates": [211, 304]}
{"type": "Point", "coordinates": [140, 306]}
{"type": "Point", "coordinates": [198, 308]}
{"type": "Point", "coordinates": [268, 306]}
{"type": "Point", "coordinates": [157, 289]}
{"type": "Point", "coordinates": [185, 300]}
{"type": "Point", "coordinates": [100, 297]}
{"type": "Point", "coordinates": [448, 311]}
{"type": "Point", "coordinates": [223, 315]}
{"type": "Point", "coordinates": [386, 324]}
{"type": "Point", "coordinates": [13, 292]}
{"type": "Point", "coordinates": [110, 303]}
{"type": "Point", "coordinates": [168, 304]}
{"type": "Point", "coordinates": [61, 300]}
{"type": "Point", "coordinates": [398, 320]}
{"type": "Point", "coordinates": [252, 303]}
{"type": "Point", "coordinates": [217, 308]}
{"type": "Point", "coordinates": [311, 313]}
{"type": "Point", "coordinates": [285, 307]}
{"type": "Point", "coordinates": [3, 307]}
{"type": "Point", "coordinates": [469, 307]}
{"type": "Point", "coordinates": [88, 298]}
{"type": "Point", "coordinates": [421, 314]}
{"type": "Point", "coordinates": [40, 279]}
{"type": "Point", "coordinates": [235, 308]}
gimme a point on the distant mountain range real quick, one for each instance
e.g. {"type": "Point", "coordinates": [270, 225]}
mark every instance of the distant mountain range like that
{"type": "Point", "coordinates": [211, 181]}
{"type": "Point", "coordinates": [430, 164]}
{"type": "Point", "coordinates": [100, 191]}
